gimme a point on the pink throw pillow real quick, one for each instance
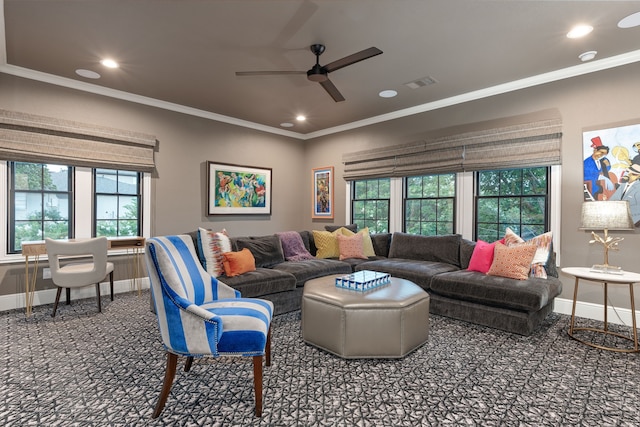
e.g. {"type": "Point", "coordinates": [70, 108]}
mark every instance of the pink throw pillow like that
{"type": "Point", "coordinates": [482, 257]}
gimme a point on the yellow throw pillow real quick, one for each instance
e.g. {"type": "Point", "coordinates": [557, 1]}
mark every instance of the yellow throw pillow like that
{"type": "Point", "coordinates": [367, 244]}
{"type": "Point", "coordinates": [326, 244]}
{"type": "Point", "coordinates": [236, 263]}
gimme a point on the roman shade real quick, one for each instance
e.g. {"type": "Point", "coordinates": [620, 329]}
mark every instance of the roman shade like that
{"type": "Point", "coordinates": [31, 138]}
{"type": "Point", "coordinates": [514, 146]}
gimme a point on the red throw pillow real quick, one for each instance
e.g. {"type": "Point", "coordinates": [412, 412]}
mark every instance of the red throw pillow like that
{"type": "Point", "coordinates": [482, 257]}
{"type": "Point", "coordinates": [236, 263]}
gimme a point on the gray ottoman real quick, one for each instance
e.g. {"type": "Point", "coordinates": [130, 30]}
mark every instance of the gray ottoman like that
{"type": "Point", "coordinates": [387, 322]}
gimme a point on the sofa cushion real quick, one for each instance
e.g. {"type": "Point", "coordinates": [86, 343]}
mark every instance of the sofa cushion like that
{"type": "Point", "coordinates": [236, 263]}
{"type": "Point", "coordinates": [261, 281]}
{"type": "Point", "coordinates": [524, 295]}
{"type": "Point", "coordinates": [211, 245]}
{"type": "Point", "coordinates": [293, 247]}
{"type": "Point", "coordinates": [419, 272]}
{"type": "Point", "coordinates": [466, 251]}
{"type": "Point", "coordinates": [332, 228]}
{"type": "Point", "coordinates": [310, 269]}
{"type": "Point", "coordinates": [444, 248]}
{"type": "Point", "coordinates": [381, 243]}
{"type": "Point", "coordinates": [267, 250]}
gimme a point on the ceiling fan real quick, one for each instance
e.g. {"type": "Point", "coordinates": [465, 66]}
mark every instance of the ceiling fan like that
{"type": "Point", "coordinates": [319, 73]}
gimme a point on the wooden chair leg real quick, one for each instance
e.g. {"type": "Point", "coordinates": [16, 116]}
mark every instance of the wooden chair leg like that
{"type": "Point", "coordinates": [98, 296]}
{"type": "Point", "coordinates": [187, 364]}
{"type": "Point", "coordinates": [68, 294]}
{"type": "Point", "coordinates": [257, 383]}
{"type": "Point", "coordinates": [55, 305]}
{"type": "Point", "coordinates": [169, 375]}
{"type": "Point", "coordinates": [267, 350]}
{"type": "Point", "coordinates": [111, 284]}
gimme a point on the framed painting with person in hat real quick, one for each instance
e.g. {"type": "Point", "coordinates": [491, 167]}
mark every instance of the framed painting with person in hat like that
{"type": "Point", "coordinates": [612, 166]}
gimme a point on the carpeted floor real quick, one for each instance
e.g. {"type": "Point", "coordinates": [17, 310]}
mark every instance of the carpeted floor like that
{"type": "Point", "coordinates": [85, 368]}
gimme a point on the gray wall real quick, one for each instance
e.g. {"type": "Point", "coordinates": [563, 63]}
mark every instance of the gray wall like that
{"type": "Point", "coordinates": [601, 99]}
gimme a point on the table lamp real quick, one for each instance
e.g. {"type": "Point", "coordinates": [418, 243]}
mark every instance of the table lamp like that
{"type": "Point", "coordinates": [606, 215]}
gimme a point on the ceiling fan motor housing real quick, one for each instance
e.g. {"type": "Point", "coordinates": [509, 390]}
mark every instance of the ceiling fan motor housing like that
{"type": "Point", "coordinates": [317, 74]}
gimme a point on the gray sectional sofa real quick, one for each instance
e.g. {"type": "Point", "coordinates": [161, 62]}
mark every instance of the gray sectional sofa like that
{"type": "Point", "coordinates": [438, 264]}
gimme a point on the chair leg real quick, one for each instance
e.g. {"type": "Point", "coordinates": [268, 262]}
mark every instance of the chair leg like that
{"type": "Point", "coordinates": [187, 363]}
{"type": "Point", "coordinates": [98, 295]}
{"type": "Point", "coordinates": [55, 305]}
{"type": "Point", "coordinates": [111, 284]}
{"type": "Point", "coordinates": [267, 350]}
{"type": "Point", "coordinates": [257, 383]}
{"type": "Point", "coordinates": [170, 373]}
{"type": "Point", "coordinates": [68, 294]}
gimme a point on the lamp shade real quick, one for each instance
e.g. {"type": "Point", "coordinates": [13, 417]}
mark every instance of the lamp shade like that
{"type": "Point", "coordinates": [606, 215]}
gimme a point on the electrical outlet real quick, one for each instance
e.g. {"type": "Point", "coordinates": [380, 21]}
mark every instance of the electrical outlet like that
{"type": "Point", "coordinates": [46, 273]}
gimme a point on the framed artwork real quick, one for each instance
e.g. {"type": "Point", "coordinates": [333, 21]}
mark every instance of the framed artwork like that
{"type": "Point", "coordinates": [236, 189]}
{"type": "Point", "coordinates": [322, 193]}
{"type": "Point", "coordinates": [612, 165]}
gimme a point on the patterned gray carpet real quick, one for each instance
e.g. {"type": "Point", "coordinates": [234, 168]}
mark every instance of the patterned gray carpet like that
{"type": "Point", "coordinates": [85, 368]}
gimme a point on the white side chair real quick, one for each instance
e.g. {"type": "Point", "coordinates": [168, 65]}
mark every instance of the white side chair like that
{"type": "Point", "coordinates": [79, 274]}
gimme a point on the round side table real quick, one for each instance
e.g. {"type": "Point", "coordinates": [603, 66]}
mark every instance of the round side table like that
{"type": "Point", "coordinates": [626, 278]}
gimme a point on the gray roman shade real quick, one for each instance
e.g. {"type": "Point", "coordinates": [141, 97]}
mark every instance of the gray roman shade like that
{"type": "Point", "coordinates": [31, 138]}
{"type": "Point", "coordinates": [515, 146]}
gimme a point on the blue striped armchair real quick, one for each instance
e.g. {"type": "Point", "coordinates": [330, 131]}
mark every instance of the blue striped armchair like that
{"type": "Point", "coordinates": [201, 316]}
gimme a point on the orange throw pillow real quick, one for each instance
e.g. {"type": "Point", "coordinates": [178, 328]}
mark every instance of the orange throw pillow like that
{"type": "Point", "coordinates": [513, 262]}
{"type": "Point", "coordinates": [236, 263]}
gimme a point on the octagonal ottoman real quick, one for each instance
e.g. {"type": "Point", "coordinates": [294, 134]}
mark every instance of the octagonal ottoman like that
{"type": "Point", "coordinates": [386, 322]}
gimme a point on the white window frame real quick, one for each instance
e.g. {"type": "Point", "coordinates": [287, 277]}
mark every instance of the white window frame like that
{"type": "Point", "coordinates": [83, 208]}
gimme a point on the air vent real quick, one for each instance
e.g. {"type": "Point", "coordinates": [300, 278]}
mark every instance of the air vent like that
{"type": "Point", "coordinates": [425, 81]}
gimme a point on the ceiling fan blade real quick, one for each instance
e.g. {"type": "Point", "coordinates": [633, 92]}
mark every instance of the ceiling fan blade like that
{"type": "Point", "coordinates": [268, 73]}
{"type": "Point", "coordinates": [352, 59]}
{"type": "Point", "coordinates": [332, 90]}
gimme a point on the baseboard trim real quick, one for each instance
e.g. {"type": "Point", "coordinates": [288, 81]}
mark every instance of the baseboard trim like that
{"type": "Point", "coordinates": [619, 316]}
{"type": "Point", "coordinates": [48, 296]}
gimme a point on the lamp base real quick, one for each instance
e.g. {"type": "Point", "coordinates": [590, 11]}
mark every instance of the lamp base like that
{"type": "Point", "coordinates": [607, 269]}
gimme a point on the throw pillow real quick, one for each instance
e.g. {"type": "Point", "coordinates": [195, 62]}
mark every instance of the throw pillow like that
{"type": "Point", "coordinates": [236, 263]}
{"type": "Point", "coordinates": [211, 246]}
{"type": "Point", "coordinates": [513, 262]}
{"type": "Point", "coordinates": [350, 246]}
{"type": "Point", "coordinates": [543, 242]}
{"type": "Point", "coordinates": [482, 257]}
{"type": "Point", "coordinates": [293, 246]}
{"type": "Point", "coordinates": [326, 243]}
{"type": "Point", "coordinates": [367, 243]}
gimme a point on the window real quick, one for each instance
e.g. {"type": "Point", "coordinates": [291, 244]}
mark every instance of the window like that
{"type": "Point", "coordinates": [429, 204]}
{"type": "Point", "coordinates": [117, 203]}
{"type": "Point", "coordinates": [40, 203]}
{"type": "Point", "coordinates": [515, 198]}
{"type": "Point", "coordinates": [370, 202]}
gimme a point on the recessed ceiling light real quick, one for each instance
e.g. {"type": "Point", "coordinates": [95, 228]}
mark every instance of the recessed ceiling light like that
{"type": "Point", "coordinates": [109, 63]}
{"type": "Point", "coordinates": [301, 118]}
{"type": "Point", "coordinates": [388, 93]}
{"type": "Point", "coordinates": [630, 21]}
{"type": "Point", "coordinates": [579, 31]}
{"type": "Point", "coordinates": [87, 74]}
{"type": "Point", "coordinates": [587, 56]}
{"type": "Point", "coordinates": [286, 125]}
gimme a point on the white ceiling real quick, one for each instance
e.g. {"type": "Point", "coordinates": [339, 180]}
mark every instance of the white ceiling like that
{"type": "Point", "coordinates": [183, 55]}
